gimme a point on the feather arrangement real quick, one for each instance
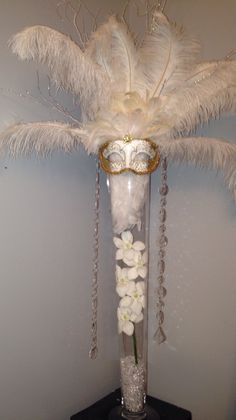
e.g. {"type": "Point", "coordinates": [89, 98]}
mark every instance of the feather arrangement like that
{"type": "Point", "coordinates": [158, 90]}
{"type": "Point", "coordinates": [68, 66]}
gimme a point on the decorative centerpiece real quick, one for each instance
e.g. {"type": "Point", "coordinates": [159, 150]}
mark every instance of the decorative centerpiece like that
{"type": "Point", "coordinates": [140, 102]}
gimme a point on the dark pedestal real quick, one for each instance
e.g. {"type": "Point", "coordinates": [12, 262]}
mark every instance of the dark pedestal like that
{"type": "Point", "coordinates": [101, 409]}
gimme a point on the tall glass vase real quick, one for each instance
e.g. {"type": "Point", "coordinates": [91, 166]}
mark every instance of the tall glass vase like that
{"type": "Point", "coordinates": [130, 215]}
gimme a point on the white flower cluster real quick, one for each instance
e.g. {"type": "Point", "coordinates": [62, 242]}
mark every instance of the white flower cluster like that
{"type": "Point", "coordinates": [132, 293]}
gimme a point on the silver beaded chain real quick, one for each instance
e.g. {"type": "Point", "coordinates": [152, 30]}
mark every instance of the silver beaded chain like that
{"type": "Point", "coordinates": [93, 352]}
{"type": "Point", "coordinates": [160, 335]}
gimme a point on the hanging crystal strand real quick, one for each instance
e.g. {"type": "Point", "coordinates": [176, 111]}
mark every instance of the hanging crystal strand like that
{"type": "Point", "coordinates": [162, 242]}
{"type": "Point", "coordinates": [94, 345]}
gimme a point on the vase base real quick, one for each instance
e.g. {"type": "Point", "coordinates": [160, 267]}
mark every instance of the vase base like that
{"type": "Point", "coordinates": [149, 413]}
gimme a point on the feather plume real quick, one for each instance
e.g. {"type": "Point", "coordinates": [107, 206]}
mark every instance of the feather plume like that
{"type": "Point", "coordinates": [113, 48]}
{"type": "Point", "coordinates": [157, 91]}
{"type": "Point", "coordinates": [166, 56]}
{"type": "Point", "coordinates": [197, 101]}
{"type": "Point", "coordinates": [68, 66]}
{"type": "Point", "coordinates": [41, 138]}
{"type": "Point", "coordinates": [206, 153]}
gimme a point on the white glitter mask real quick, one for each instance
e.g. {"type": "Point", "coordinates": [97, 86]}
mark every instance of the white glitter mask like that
{"type": "Point", "coordinates": [137, 155]}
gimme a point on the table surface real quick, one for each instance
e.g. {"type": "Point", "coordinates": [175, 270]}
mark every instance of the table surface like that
{"type": "Point", "coordinates": [101, 409]}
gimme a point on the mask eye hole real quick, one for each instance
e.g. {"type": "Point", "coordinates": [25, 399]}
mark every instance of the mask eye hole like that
{"type": "Point", "coordinates": [142, 156]}
{"type": "Point", "coordinates": [115, 157]}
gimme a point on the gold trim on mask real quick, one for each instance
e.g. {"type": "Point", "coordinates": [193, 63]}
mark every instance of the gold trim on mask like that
{"type": "Point", "coordinates": [140, 156]}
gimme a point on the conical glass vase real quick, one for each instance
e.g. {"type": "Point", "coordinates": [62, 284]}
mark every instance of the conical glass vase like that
{"type": "Point", "coordinates": [130, 215]}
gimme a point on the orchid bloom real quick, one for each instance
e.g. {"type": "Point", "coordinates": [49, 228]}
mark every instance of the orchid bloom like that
{"type": "Point", "coordinates": [124, 286]}
{"type": "Point", "coordinates": [135, 300]}
{"type": "Point", "coordinates": [124, 320]}
{"type": "Point", "coordinates": [138, 262]}
{"type": "Point", "coordinates": [126, 246]}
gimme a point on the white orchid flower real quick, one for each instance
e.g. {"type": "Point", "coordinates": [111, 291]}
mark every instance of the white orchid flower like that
{"type": "Point", "coordinates": [124, 285]}
{"type": "Point", "coordinates": [138, 262]}
{"type": "Point", "coordinates": [126, 245]}
{"type": "Point", "coordinates": [124, 321]}
{"type": "Point", "coordinates": [135, 300]}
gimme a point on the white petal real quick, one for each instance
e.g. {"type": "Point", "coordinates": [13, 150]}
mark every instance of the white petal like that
{"type": "Point", "coordinates": [129, 254]}
{"type": "Point", "coordinates": [137, 257]}
{"type": "Point", "coordinates": [129, 262]}
{"type": "Point", "coordinates": [142, 272]}
{"type": "Point", "coordinates": [130, 288]}
{"type": "Point", "coordinates": [132, 273]}
{"type": "Point", "coordinates": [119, 312]}
{"type": "Point", "coordinates": [139, 246]}
{"type": "Point", "coordinates": [118, 271]}
{"type": "Point", "coordinates": [118, 242]}
{"type": "Point", "coordinates": [143, 301]}
{"type": "Point", "coordinates": [127, 236]}
{"type": "Point", "coordinates": [125, 272]}
{"type": "Point", "coordinates": [125, 302]}
{"type": "Point", "coordinates": [136, 307]}
{"type": "Point", "coordinates": [139, 318]}
{"type": "Point", "coordinates": [119, 254]}
{"type": "Point", "coordinates": [140, 286]}
{"type": "Point", "coordinates": [120, 326]}
{"type": "Point", "coordinates": [145, 257]}
{"type": "Point", "coordinates": [121, 290]}
{"type": "Point", "coordinates": [128, 328]}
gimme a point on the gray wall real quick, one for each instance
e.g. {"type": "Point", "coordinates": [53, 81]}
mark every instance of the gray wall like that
{"type": "Point", "coordinates": [197, 367]}
{"type": "Point", "coordinates": [45, 258]}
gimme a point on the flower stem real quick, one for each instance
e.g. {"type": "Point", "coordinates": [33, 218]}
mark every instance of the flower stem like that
{"type": "Point", "coordinates": [135, 347]}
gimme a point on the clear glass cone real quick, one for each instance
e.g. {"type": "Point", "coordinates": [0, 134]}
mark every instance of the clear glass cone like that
{"type": "Point", "coordinates": [130, 215]}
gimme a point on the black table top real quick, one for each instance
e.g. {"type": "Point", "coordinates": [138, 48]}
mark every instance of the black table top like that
{"type": "Point", "coordinates": [101, 409]}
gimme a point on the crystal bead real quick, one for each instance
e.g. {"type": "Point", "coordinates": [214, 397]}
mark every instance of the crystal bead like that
{"type": "Point", "coordinates": [161, 317]}
{"type": "Point", "coordinates": [162, 228]}
{"type": "Point", "coordinates": [160, 279]}
{"type": "Point", "coordinates": [160, 307]}
{"type": "Point", "coordinates": [162, 292]}
{"type": "Point", "coordinates": [163, 241]}
{"type": "Point", "coordinates": [163, 201]}
{"type": "Point", "coordinates": [161, 266]}
{"type": "Point", "coordinates": [93, 353]}
{"type": "Point", "coordinates": [159, 335]}
{"type": "Point", "coordinates": [164, 164]}
{"type": "Point", "coordinates": [162, 253]}
{"type": "Point", "coordinates": [162, 215]}
{"type": "Point", "coordinates": [164, 189]}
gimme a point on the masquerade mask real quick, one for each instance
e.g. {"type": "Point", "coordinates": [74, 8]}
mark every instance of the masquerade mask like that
{"type": "Point", "coordinates": [140, 156]}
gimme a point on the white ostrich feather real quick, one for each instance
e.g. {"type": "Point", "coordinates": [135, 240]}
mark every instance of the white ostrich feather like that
{"type": "Point", "coordinates": [166, 56]}
{"type": "Point", "coordinates": [42, 138]}
{"type": "Point", "coordinates": [67, 64]}
{"type": "Point", "coordinates": [205, 153]}
{"type": "Point", "coordinates": [113, 48]}
{"type": "Point", "coordinates": [208, 96]}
